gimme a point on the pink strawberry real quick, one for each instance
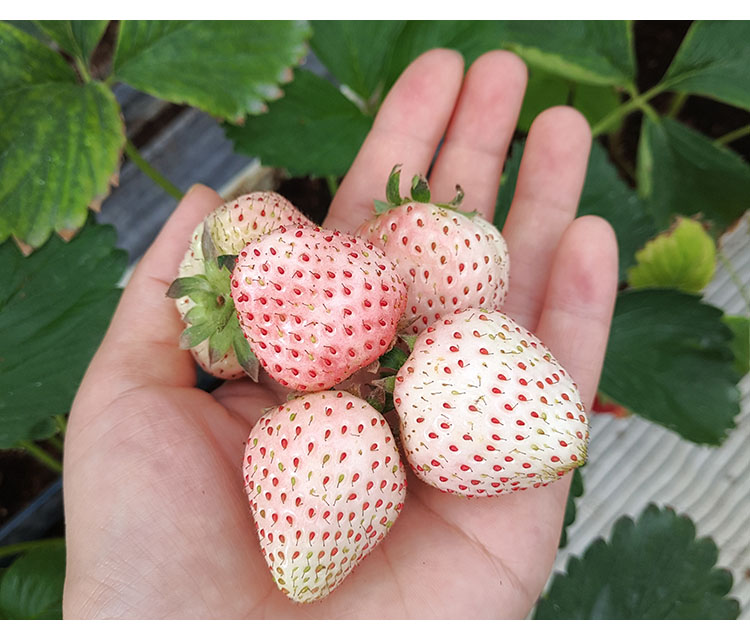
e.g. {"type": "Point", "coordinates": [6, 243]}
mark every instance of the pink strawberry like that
{"type": "Point", "coordinates": [325, 484]}
{"type": "Point", "coordinates": [316, 305]}
{"type": "Point", "coordinates": [224, 232]}
{"type": "Point", "coordinates": [486, 409]}
{"type": "Point", "coordinates": [449, 259]}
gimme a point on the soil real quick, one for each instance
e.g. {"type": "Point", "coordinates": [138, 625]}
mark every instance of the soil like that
{"type": "Point", "coordinates": [656, 42]}
{"type": "Point", "coordinates": [22, 478]}
{"type": "Point", "coordinates": [309, 195]}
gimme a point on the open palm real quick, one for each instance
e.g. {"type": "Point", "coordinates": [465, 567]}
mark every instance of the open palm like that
{"type": "Point", "coordinates": [158, 524]}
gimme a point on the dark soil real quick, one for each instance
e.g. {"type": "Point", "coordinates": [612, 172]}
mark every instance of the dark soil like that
{"type": "Point", "coordinates": [22, 478]}
{"type": "Point", "coordinates": [309, 195]}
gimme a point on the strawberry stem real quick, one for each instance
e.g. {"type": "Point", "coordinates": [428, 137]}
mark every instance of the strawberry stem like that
{"type": "Point", "coordinates": [41, 455]}
{"type": "Point", "coordinates": [147, 168]}
{"type": "Point", "coordinates": [23, 547]}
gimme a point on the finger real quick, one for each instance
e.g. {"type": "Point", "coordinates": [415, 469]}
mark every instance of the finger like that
{"type": "Point", "coordinates": [549, 186]}
{"type": "Point", "coordinates": [248, 400]}
{"type": "Point", "coordinates": [480, 131]}
{"type": "Point", "coordinates": [577, 312]}
{"type": "Point", "coordinates": [142, 341]}
{"type": "Point", "coordinates": [407, 131]}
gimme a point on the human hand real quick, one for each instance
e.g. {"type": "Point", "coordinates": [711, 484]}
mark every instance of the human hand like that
{"type": "Point", "coordinates": [158, 524]}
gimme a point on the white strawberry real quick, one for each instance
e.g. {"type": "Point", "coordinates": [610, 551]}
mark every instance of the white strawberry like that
{"type": "Point", "coordinates": [203, 281]}
{"type": "Point", "coordinates": [486, 409]}
{"type": "Point", "coordinates": [450, 260]}
{"type": "Point", "coordinates": [325, 484]}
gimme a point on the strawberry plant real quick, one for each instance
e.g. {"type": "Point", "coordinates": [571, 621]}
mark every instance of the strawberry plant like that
{"type": "Point", "coordinates": [669, 185]}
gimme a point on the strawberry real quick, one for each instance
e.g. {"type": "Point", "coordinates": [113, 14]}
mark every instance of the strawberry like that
{"type": "Point", "coordinates": [325, 484]}
{"type": "Point", "coordinates": [316, 305]}
{"type": "Point", "coordinates": [202, 288]}
{"type": "Point", "coordinates": [486, 409]}
{"type": "Point", "coordinates": [450, 260]}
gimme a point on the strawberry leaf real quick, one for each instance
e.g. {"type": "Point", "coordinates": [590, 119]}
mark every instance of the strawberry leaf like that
{"type": "Point", "coordinates": [597, 102]}
{"type": "Point", "coordinates": [55, 306]}
{"type": "Point", "coordinates": [682, 172]}
{"type": "Point", "coordinates": [313, 115]}
{"type": "Point", "coordinates": [393, 187]}
{"type": "Point", "coordinates": [245, 355]}
{"type": "Point", "coordinates": [471, 38]}
{"type": "Point", "coordinates": [32, 587]}
{"type": "Point", "coordinates": [682, 258]}
{"type": "Point", "coordinates": [576, 491]}
{"type": "Point", "coordinates": [410, 339]}
{"type": "Point", "coordinates": [590, 51]}
{"type": "Point", "coordinates": [714, 61]}
{"type": "Point", "coordinates": [670, 360]}
{"type": "Point", "coordinates": [179, 61]}
{"type": "Point", "coordinates": [356, 51]}
{"type": "Point", "coordinates": [60, 141]}
{"type": "Point", "coordinates": [219, 343]}
{"type": "Point", "coordinates": [76, 37]}
{"type": "Point", "coordinates": [543, 90]}
{"type": "Point", "coordinates": [652, 569]}
{"type": "Point", "coordinates": [227, 262]}
{"type": "Point", "coordinates": [197, 332]}
{"type": "Point", "coordinates": [393, 359]}
{"type": "Point", "coordinates": [420, 189]}
{"type": "Point", "coordinates": [189, 286]}
{"type": "Point", "coordinates": [740, 326]}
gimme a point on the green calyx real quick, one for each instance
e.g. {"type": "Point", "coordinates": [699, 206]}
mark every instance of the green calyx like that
{"type": "Point", "coordinates": [420, 192]}
{"type": "Point", "coordinates": [214, 317]}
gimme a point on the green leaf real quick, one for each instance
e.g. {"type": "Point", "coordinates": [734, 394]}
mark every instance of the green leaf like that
{"type": "Point", "coordinates": [220, 342]}
{"type": "Point", "coordinates": [76, 37]}
{"type": "Point", "coordinates": [714, 61]}
{"type": "Point", "coordinates": [393, 359]}
{"type": "Point", "coordinates": [652, 569]}
{"type": "Point", "coordinates": [590, 51]}
{"type": "Point", "coordinates": [356, 51]}
{"type": "Point", "coordinates": [197, 332]}
{"type": "Point", "coordinates": [682, 258]}
{"type": "Point", "coordinates": [43, 429]}
{"type": "Point", "coordinates": [576, 491]}
{"type": "Point", "coordinates": [471, 38]}
{"type": "Point", "coordinates": [508, 183]}
{"type": "Point", "coordinates": [740, 326]}
{"type": "Point", "coordinates": [607, 195]}
{"type": "Point", "coordinates": [682, 172]}
{"type": "Point", "coordinates": [669, 359]}
{"type": "Point", "coordinates": [393, 187]}
{"type": "Point", "coordinates": [30, 27]}
{"type": "Point", "coordinates": [228, 68]}
{"type": "Point", "coordinates": [189, 286]}
{"type": "Point", "coordinates": [247, 359]}
{"type": "Point", "coordinates": [55, 306]}
{"type": "Point", "coordinates": [604, 194]}
{"type": "Point", "coordinates": [312, 130]}
{"type": "Point", "coordinates": [59, 144]}
{"type": "Point", "coordinates": [596, 102]}
{"type": "Point", "coordinates": [543, 90]}
{"type": "Point", "coordinates": [420, 189]}
{"type": "Point", "coordinates": [32, 587]}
